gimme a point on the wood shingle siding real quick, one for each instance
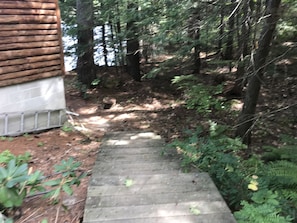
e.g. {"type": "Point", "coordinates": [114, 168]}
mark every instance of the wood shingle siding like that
{"type": "Point", "coordinates": [30, 41]}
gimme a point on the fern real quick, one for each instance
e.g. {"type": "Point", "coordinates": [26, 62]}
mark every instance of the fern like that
{"type": "Point", "coordinates": [284, 170]}
{"type": "Point", "coordinates": [264, 207]}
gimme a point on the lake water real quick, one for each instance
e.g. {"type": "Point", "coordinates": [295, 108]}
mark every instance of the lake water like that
{"type": "Point", "coordinates": [70, 57]}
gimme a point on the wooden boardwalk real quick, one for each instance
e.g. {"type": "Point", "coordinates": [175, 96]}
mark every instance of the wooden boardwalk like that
{"type": "Point", "coordinates": [134, 182]}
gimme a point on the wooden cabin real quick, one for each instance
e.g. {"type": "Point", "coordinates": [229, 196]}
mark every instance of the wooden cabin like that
{"type": "Point", "coordinates": [32, 96]}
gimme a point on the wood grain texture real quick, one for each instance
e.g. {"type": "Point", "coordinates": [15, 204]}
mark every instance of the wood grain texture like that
{"type": "Point", "coordinates": [30, 41]}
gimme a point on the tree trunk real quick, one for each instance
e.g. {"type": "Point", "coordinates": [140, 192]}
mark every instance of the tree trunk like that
{"type": "Point", "coordinates": [104, 45]}
{"type": "Point", "coordinates": [245, 30]}
{"type": "Point", "coordinates": [85, 55]}
{"type": "Point", "coordinates": [194, 35]}
{"type": "Point", "coordinates": [228, 55]}
{"type": "Point", "coordinates": [244, 50]}
{"type": "Point", "coordinates": [133, 54]}
{"type": "Point", "coordinates": [247, 116]}
{"type": "Point", "coordinates": [221, 32]}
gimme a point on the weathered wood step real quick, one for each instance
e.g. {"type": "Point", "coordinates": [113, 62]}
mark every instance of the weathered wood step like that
{"type": "Point", "coordinates": [205, 218]}
{"type": "Point", "coordinates": [175, 178]}
{"type": "Point", "coordinates": [203, 208]}
{"type": "Point", "coordinates": [134, 181]}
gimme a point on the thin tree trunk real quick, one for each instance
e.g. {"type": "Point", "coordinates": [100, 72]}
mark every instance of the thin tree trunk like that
{"type": "Point", "coordinates": [245, 30]}
{"type": "Point", "coordinates": [133, 54]}
{"type": "Point", "coordinates": [194, 35]}
{"type": "Point", "coordinates": [228, 55]}
{"type": "Point", "coordinates": [247, 116]}
{"type": "Point", "coordinates": [85, 55]}
{"type": "Point", "coordinates": [105, 52]}
{"type": "Point", "coordinates": [221, 32]}
{"type": "Point", "coordinates": [244, 50]}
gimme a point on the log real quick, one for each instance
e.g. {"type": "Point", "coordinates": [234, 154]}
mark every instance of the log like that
{"type": "Point", "coordinates": [29, 60]}
{"type": "Point", "coordinates": [28, 66]}
{"type": "Point", "coordinates": [24, 73]}
{"type": "Point", "coordinates": [26, 39]}
{"type": "Point", "coordinates": [28, 45]}
{"type": "Point", "coordinates": [27, 5]}
{"type": "Point", "coordinates": [16, 54]}
{"type": "Point", "coordinates": [27, 19]}
{"type": "Point", "coordinates": [13, 27]}
{"type": "Point", "coordinates": [27, 12]}
{"type": "Point", "coordinates": [28, 32]}
{"type": "Point", "coordinates": [30, 78]}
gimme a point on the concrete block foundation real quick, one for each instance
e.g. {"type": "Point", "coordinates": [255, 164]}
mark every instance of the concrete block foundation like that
{"type": "Point", "coordinates": [32, 106]}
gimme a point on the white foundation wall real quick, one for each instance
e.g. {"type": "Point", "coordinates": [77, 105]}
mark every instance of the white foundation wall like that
{"type": "Point", "coordinates": [32, 106]}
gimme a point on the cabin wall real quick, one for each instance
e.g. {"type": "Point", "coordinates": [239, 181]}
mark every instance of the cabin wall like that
{"type": "Point", "coordinates": [32, 94]}
{"type": "Point", "coordinates": [30, 41]}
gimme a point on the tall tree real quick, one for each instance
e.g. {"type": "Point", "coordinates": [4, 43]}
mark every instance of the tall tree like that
{"type": "Point", "coordinates": [228, 55]}
{"type": "Point", "coordinates": [85, 53]}
{"type": "Point", "coordinates": [194, 35]}
{"type": "Point", "coordinates": [246, 118]}
{"type": "Point", "coordinates": [133, 54]}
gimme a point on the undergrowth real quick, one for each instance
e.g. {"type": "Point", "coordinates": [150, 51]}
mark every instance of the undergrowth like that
{"type": "Point", "coordinates": [256, 190]}
{"type": "Point", "coordinates": [18, 181]}
{"type": "Point", "coordinates": [203, 98]}
{"type": "Point", "coordinates": [259, 188]}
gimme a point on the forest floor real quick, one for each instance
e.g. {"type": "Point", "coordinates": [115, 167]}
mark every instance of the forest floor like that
{"type": "Point", "coordinates": [151, 105]}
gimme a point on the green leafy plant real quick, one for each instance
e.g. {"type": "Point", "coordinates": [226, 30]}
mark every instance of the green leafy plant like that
{"type": "Point", "coordinates": [199, 96]}
{"type": "Point", "coordinates": [4, 138]}
{"type": "Point", "coordinates": [18, 181]}
{"type": "Point", "coordinates": [67, 127]}
{"type": "Point", "coordinates": [67, 169]}
{"type": "Point", "coordinates": [216, 154]}
{"type": "Point", "coordinates": [12, 190]}
{"type": "Point", "coordinates": [265, 206]}
{"type": "Point", "coordinates": [6, 156]}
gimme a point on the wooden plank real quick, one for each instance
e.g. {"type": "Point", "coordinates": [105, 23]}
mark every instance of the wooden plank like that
{"type": "Point", "coordinates": [13, 27]}
{"type": "Point", "coordinates": [28, 32]}
{"type": "Point", "coordinates": [16, 54]}
{"type": "Point", "coordinates": [205, 218]}
{"type": "Point", "coordinates": [28, 60]}
{"type": "Point", "coordinates": [59, 28]}
{"type": "Point", "coordinates": [16, 75]}
{"type": "Point", "coordinates": [177, 178]}
{"type": "Point", "coordinates": [26, 39]}
{"type": "Point", "coordinates": [151, 166]}
{"type": "Point", "coordinates": [27, 5]}
{"type": "Point", "coordinates": [31, 78]}
{"type": "Point", "coordinates": [109, 190]}
{"type": "Point", "coordinates": [154, 211]}
{"type": "Point", "coordinates": [27, 19]}
{"type": "Point", "coordinates": [146, 199]}
{"type": "Point", "coordinates": [27, 12]}
{"type": "Point", "coordinates": [28, 66]}
{"type": "Point", "coordinates": [28, 45]}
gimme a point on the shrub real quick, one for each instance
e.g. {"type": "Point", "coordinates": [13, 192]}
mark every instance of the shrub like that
{"type": "Point", "coordinates": [18, 181]}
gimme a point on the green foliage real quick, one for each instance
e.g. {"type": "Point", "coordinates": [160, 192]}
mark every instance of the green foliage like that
{"type": "Point", "coordinates": [12, 179]}
{"type": "Point", "coordinates": [275, 200]}
{"type": "Point", "coordinates": [4, 138]}
{"type": "Point", "coordinates": [216, 154]}
{"type": "Point", "coordinates": [199, 96]}
{"type": "Point", "coordinates": [6, 156]}
{"type": "Point", "coordinates": [18, 181]}
{"type": "Point", "coordinates": [68, 171]}
{"type": "Point", "coordinates": [265, 207]}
